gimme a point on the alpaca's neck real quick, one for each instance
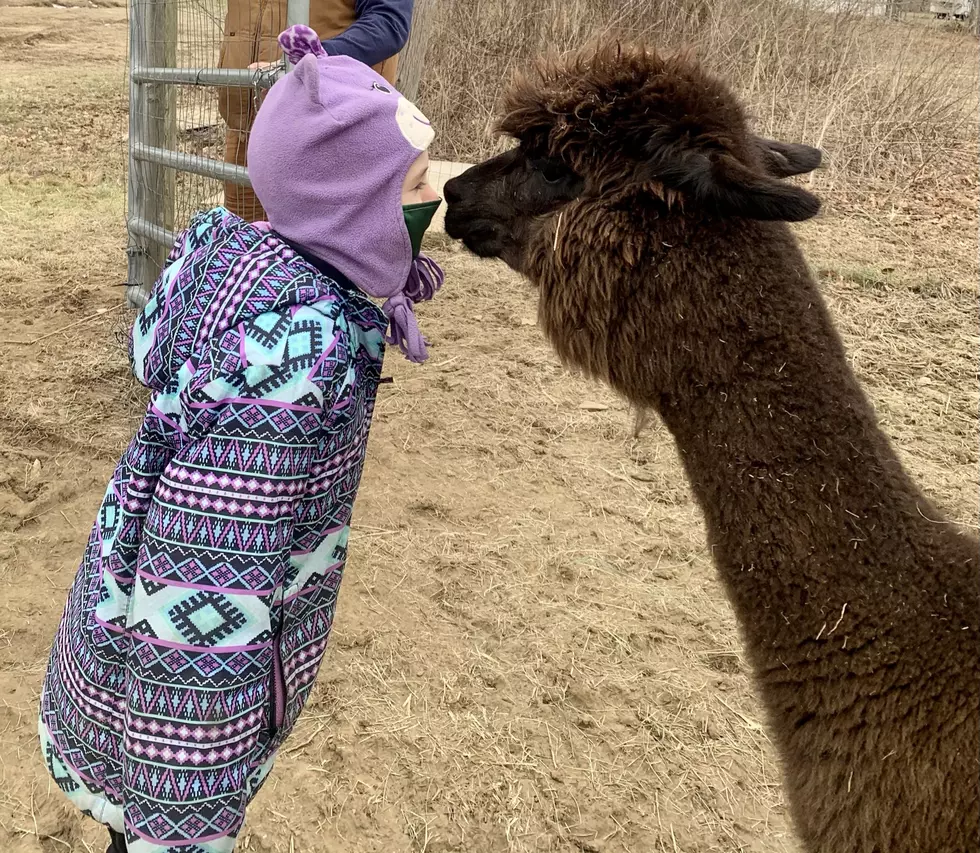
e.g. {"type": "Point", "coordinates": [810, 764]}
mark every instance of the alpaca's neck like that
{"type": "Point", "coordinates": [718, 326]}
{"type": "Point", "coordinates": [802, 494]}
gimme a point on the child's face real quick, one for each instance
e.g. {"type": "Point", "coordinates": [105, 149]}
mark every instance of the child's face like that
{"type": "Point", "coordinates": [416, 188]}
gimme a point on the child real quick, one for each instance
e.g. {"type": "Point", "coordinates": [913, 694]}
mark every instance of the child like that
{"type": "Point", "coordinates": [199, 616]}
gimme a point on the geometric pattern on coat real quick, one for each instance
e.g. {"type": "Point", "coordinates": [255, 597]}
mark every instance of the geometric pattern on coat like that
{"type": "Point", "coordinates": [200, 612]}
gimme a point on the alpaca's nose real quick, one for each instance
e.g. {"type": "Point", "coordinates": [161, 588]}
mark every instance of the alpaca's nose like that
{"type": "Point", "coordinates": [451, 191]}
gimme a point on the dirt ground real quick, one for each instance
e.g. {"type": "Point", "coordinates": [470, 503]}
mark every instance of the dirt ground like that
{"type": "Point", "coordinates": [532, 652]}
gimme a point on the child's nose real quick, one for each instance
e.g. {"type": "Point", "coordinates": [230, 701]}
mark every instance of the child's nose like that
{"type": "Point", "coordinates": [429, 193]}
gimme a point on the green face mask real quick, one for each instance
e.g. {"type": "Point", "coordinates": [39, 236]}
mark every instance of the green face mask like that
{"type": "Point", "coordinates": [417, 220]}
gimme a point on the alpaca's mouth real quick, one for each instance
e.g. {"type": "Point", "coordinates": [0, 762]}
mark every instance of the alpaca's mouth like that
{"type": "Point", "coordinates": [481, 236]}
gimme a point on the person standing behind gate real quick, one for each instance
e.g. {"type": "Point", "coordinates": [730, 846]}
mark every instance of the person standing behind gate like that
{"type": "Point", "coordinates": [370, 31]}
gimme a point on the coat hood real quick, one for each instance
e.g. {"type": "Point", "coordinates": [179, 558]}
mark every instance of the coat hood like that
{"type": "Point", "coordinates": [221, 272]}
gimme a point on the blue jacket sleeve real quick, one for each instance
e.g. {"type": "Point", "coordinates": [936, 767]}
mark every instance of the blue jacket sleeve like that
{"type": "Point", "coordinates": [204, 695]}
{"type": "Point", "coordinates": [379, 32]}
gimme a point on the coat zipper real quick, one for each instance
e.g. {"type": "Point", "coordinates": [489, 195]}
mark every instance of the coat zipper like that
{"type": "Point", "coordinates": [278, 688]}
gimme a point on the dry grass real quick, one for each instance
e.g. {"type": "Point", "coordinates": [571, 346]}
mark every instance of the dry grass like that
{"type": "Point", "coordinates": [893, 103]}
{"type": "Point", "coordinates": [532, 652]}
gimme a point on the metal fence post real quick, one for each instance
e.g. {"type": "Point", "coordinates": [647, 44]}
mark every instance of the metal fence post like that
{"type": "Point", "coordinates": [152, 122]}
{"type": "Point", "coordinates": [297, 12]}
{"type": "Point", "coordinates": [140, 260]}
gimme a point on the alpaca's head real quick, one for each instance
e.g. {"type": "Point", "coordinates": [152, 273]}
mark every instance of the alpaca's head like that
{"type": "Point", "coordinates": [612, 122]}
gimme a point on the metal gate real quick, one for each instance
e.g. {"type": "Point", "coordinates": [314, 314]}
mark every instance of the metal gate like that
{"type": "Point", "coordinates": [155, 76]}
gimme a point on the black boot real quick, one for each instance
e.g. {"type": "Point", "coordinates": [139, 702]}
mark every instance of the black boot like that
{"type": "Point", "coordinates": [117, 842]}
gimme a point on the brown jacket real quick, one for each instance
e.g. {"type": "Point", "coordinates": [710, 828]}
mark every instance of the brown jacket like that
{"type": "Point", "coordinates": [251, 34]}
{"type": "Point", "coordinates": [252, 28]}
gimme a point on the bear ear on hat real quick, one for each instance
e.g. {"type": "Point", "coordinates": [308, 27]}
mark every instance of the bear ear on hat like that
{"type": "Point", "coordinates": [299, 41]}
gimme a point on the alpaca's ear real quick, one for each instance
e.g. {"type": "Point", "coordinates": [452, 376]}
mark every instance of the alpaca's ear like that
{"type": "Point", "coordinates": [739, 191]}
{"type": "Point", "coordinates": [718, 182]}
{"type": "Point", "coordinates": [783, 159]}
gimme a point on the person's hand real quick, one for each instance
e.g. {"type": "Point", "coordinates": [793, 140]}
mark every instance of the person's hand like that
{"type": "Point", "coordinates": [261, 66]}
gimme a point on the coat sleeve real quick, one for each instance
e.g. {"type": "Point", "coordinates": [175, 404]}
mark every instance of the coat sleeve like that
{"type": "Point", "coordinates": [379, 32]}
{"type": "Point", "coordinates": [203, 691]}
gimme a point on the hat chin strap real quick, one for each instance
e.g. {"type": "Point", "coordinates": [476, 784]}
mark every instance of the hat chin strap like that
{"type": "Point", "coordinates": [404, 328]}
{"type": "Point", "coordinates": [424, 278]}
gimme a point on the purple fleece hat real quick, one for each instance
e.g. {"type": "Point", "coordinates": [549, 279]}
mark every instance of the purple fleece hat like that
{"type": "Point", "coordinates": [327, 157]}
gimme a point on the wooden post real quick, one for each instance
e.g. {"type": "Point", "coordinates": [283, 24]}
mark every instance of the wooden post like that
{"type": "Point", "coordinates": [411, 62]}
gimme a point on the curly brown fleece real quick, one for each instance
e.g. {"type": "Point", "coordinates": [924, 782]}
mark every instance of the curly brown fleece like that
{"type": "Point", "coordinates": [654, 224]}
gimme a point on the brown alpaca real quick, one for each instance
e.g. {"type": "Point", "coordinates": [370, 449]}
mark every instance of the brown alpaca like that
{"type": "Point", "coordinates": [654, 224]}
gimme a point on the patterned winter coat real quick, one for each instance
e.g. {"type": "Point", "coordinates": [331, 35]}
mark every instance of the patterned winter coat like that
{"type": "Point", "coordinates": [197, 621]}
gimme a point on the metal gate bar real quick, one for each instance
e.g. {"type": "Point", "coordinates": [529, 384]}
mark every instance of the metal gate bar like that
{"type": "Point", "coordinates": [236, 77]}
{"type": "Point", "coordinates": [193, 163]}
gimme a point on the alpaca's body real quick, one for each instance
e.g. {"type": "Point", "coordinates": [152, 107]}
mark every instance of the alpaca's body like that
{"type": "Point", "coordinates": [858, 603]}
